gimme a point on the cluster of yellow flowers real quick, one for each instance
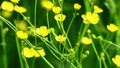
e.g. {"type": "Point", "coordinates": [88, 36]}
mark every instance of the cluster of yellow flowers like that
{"type": "Point", "coordinates": [86, 40]}
{"type": "Point", "coordinates": [43, 31]}
{"type": "Point", "coordinates": [30, 52]}
{"type": "Point", "coordinates": [56, 9]}
{"type": "Point", "coordinates": [92, 18]}
{"type": "Point", "coordinates": [116, 60]}
{"type": "Point", "coordinates": [60, 38]}
{"type": "Point", "coordinates": [112, 27]}
{"type": "Point", "coordinates": [22, 35]}
{"type": "Point", "coordinates": [9, 6]}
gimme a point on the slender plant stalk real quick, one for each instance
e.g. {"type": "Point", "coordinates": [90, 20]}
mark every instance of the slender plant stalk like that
{"type": "Point", "coordinates": [5, 63]}
{"type": "Point", "coordinates": [35, 12]}
{"type": "Point", "coordinates": [99, 59]}
{"type": "Point", "coordinates": [26, 64]}
{"type": "Point", "coordinates": [74, 15]}
{"type": "Point", "coordinates": [19, 52]}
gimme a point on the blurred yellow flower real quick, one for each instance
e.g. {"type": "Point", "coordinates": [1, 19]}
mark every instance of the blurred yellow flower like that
{"type": "Point", "coordinates": [27, 52]}
{"type": "Point", "coordinates": [47, 4]}
{"type": "Point", "coordinates": [7, 6]}
{"type": "Point", "coordinates": [112, 27]}
{"type": "Point", "coordinates": [60, 38]}
{"type": "Point", "coordinates": [86, 40]}
{"type": "Point", "coordinates": [15, 1]}
{"type": "Point", "coordinates": [56, 9]}
{"type": "Point", "coordinates": [20, 9]}
{"type": "Point", "coordinates": [21, 25]}
{"type": "Point", "coordinates": [92, 18]}
{"type": "Point", "coordinates": [77, 6]}
{"type": "Point", "coordinates": [60, 17]}
{"type": "Point", "coordinates": [43, 31]}
{"type": "Point", "coordinates": [36, 54]}
{"type": "Point", "coordinates": [30, 52]}
{"type": "Point", "coordinates": [116, 60]}
{"type": "Point", "coordinates": [6, 14]}
{"type": "Point", "coordinates": [22, 35]}
{"type": "Point", "coordinates": [97, 9]}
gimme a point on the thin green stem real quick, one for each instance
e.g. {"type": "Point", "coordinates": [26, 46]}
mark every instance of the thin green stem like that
{"type": "Point", "coordinates": [48, 23]}
{"type": "Point", "coordinates": [93, 45]}
{"type": "Point", "coordinates": [4, 47]}
{"type": "Point", "coordinates": [47, 15]}
{"type": "Point", "coordinates": [74, 15]}
{"type": "Point", "coordinates": [9, 24]}
{"type": "Point", "coordinates": [110, 43]}
{"type": "Point", "coordinates": [53, 53]}
{"type": "Point", "coordinates": [26, 64]}
{"type": "Point", "coordinates": [35, 11]}
{"type": "Point", "coordinates": [61, 24]}
{"type": "Point", "coordinates": [81, 35]}
{"type": "Point", "coordinates": [104, 50]}
{"type": "Point", "coordinates": [28, 20]}
{"type": "Point", "coordinates": [57, 52]}
{"type": "Point", "coordinates": [19, 53]}
{"type": "Point", "coordinates": [81, 56]}
{"type": "Point", "coordinates": [33, 62]}
{"type": "Point", "coordinates": [58, 24]}
{"type": "Point", "coordinates": [104, 63]}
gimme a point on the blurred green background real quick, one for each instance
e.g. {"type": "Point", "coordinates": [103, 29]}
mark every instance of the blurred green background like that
{"type": "Point", "coordinates": [108, 16]}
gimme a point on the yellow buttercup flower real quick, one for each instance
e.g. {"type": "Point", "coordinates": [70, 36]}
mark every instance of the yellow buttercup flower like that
{"type": "Point", "coordinates": [77, 6]}
{"type": "Point", "coordinates": [36, 54]}
{"type": "Point", "coordinates": [92, 18]}
{"type": "Point", "coordinates": [56, 9]}
{"type": "Point", "coordinates": [116, 60]}
{"type": "Point", "coordinates": [27, 52]}
{"type": "Point", "coordinates": [43, 31]}
{"type": "Point", "coordinates": [30, 52]}
{"type": "Point", "coordinates": [15, 1]}
{"type": "Point", "coordinates": [22, 35]}
{"type": "Point", "coordinates": [20, 9]}
{"type": "Point", "coordinates": [60, 38]}
{"type": "Point", "coordinates": [7, 6]}
{"type": "Point", "coordinates": [60, 17]}
{"type": "Point", "coordinates": [47, 4]}
{"type": "Point", "coordinates": [97, 9]}
{"type": "Point", "coordinates": [112, 27]}
{"type": "Point", "coordinates": [86, 40]}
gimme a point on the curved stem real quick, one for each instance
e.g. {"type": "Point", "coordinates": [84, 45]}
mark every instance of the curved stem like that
{"type": "Point", "coordinates": [74, 15]}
